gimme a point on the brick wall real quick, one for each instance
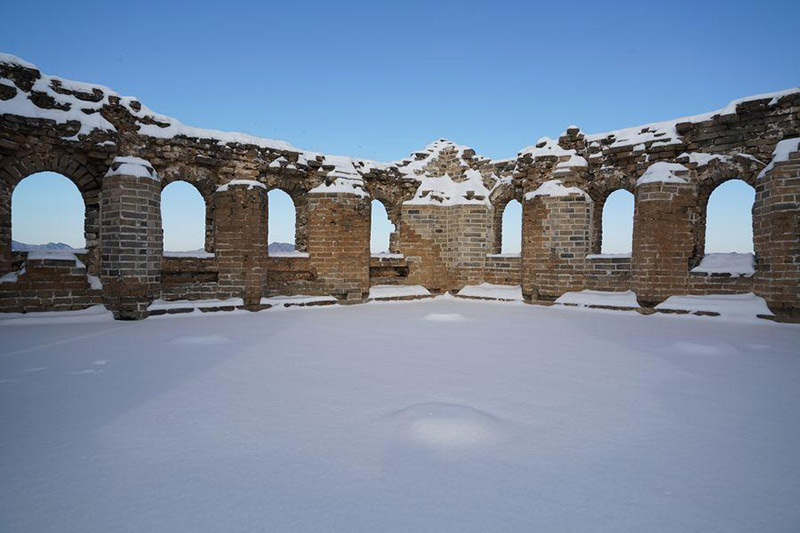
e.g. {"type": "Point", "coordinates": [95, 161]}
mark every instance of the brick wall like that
{"type": "Point", "coordinates": [445, 246]}
{"type": "Point", "coordinates": [5, 228]}
{"type": "Point", "coordinates": [240, 241]}
{"type": "Point", "coordinates": [131, 241]}
{"type": "Point", "coordinates": [388, 270]}
{"type": "Point", "coordinates": [663, 240]}
{"type": "Point", "coordinates": [556, 237]}
{"type": "Point", "coordinates": [776, 236]}
{"type": "Point", "coordinates": [338, 244]}
{"type": "Point", "coordinates": [48, 285]}
{"type": "Point", "coordinates": [189, 278]}
{"type": "Point", "coordinates": [424, 243]}
{"type": "Point", "coordinates": [502, 269]}
{"type": "Point", "coordinates": [608, 273]}
{"type": "Point", "coordinates": [291, 275]}
{"type": "Point", "coordinates": [470, 234]}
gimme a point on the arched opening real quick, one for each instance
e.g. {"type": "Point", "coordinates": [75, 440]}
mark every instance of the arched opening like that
{"type": "Point", "coordinates": [616, 234]}
{"type": "Point", "coordinates": [511, 236]}
{"type": "Point", "coordinates": [183, 217]}
{"type": "Point", "coordinates": [381, 229]}
{"type": "Point", "coordinates": [47, 213]}
{"type": "Point", "coordinates": [729, 218]}
{"type": "Point", "coordinates": [281, 223]}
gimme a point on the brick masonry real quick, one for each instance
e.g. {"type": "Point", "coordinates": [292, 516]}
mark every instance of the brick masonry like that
{"type": "Point", "coordinates": [446, 243]}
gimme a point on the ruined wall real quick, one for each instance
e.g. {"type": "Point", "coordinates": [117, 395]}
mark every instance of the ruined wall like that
{"type": "Point", "coordinates": [608, 273]}
{"type": "Point", "coordinates": [445, 200]}
{"type": "Point", "coordinates": [49, 283]}
{"type": "Point", "coordinates": [338, 244]}
{"type": "Point", "coordinates": [502, 269]}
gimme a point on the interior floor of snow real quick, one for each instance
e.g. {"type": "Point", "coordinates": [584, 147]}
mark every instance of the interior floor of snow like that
{"type": "Point", "coordinates": [434, 415]}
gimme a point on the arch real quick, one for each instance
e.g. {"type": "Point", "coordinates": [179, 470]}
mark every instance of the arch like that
{"type": "Point", "coordinates": [183, 216]}
{"type": "Point", "coordinates": [47, 207]}
{"type": "Point", "coordinates": [282, 223]}
{"type": "Point", "coordinates": [511, 228]}
{"type": "Point", "coordinates": [85, 175]}
{"type": "Point", "coordinates": [500, 198]}
{"type": "Point", "coordinates": [381, 229]}
{"type": "Point", "coordinates": [203, 181]}
{"type": "Point", "coordinates": [728, 218]}
{"type": "Point", "coordinates": [614, 230]}
{"type": "Point", "coordinates": [738, 167]}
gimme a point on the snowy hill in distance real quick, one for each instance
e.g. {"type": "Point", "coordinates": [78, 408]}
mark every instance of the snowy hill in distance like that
{"type": "Point", "coordinates": [279, 247]}
{"type": "Point", "coordinates": [50, 246]}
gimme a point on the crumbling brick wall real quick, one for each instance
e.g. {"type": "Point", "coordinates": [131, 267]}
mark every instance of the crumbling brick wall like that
{"type": "Point", "coordinates": [48, 284]}
{"type": "Point", "coordinates": [444, 239]}
{"type": "Point", "coordinates": [338, 244]}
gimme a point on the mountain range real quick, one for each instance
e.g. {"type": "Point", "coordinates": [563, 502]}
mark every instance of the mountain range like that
{"type": "Point", "coordinates": [53, 246]}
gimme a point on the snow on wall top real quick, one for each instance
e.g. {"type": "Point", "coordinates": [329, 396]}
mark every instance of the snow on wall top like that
{"type": "Point", "coordinates": [449, 174]}
{"type": "Point", "coordinates": [132, 166]}
{"type": "Point", "coordinates": [666, 132]}
{"type": "Point", "coordinates": [463, 177]}
{"type": "Point", "coordinates": [555, 188]}
{"type": "Point", "coordinates": [663, 172]}
{"type": "Point", "coordinates": [781, 153]}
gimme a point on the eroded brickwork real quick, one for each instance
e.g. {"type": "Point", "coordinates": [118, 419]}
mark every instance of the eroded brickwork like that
{"type": "Point", "coordinates": [776, 235]}
{"type": "Point", "coordinates": [338, 244]}
{"type": "Point", "coordinates": [608, 273]}
{"type": "Point", "coordinates": [49, 284]}
{"type": "Point", "coordinates": [555, 241]}
{"type": "Point", "coordinates": [445, 200]}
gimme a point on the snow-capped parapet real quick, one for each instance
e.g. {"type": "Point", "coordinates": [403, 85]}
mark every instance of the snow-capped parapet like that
{"type": "Point", "coordinates": [28, 93]}
{"type": "Point", "coordinates": [250, 184]}
{"type": "Point", "coordinates": [449, 174]}
{"type": "Point", "coordinates": [546, 147]}
{"type": "Point", "coordinates": [555, 188]}
{"type": "Point", "coordinates": [342, 177]}
{"type": "Point", "coordinates": [702, 159]}
{"type": "Point", "coordinates": [781, 153]}
{"type": "Point", "coordinates": [444, 190]}
{"type": "Point", "coordinates": [666, 133]}
{"type": "Point", "coordinates": [663, 172]}
{"type": "Point", "coordinates": [131, 166]}
{"type": "Point", "coordinates": [63, 101]}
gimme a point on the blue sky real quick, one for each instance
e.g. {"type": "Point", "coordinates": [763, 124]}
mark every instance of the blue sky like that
{"type": "Point", "coordinates": [380, 80]}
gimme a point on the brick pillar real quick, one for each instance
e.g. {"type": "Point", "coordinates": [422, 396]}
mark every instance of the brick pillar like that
{"type": "Point", "coordinates": [423, 235]}
{"type": "Point", "coordinates": [776, 237]}
{"type": "Point", "coordinates": [5, 228]}
{"type": "Point", "coordinates": [131, 238]}
{"type": "Point", "coordinates": [240, 239]}
{"type": "Point", "coordinates": [470, 228]}
{"type": "Point", "coordinates": [556, 237]}
{"type": "Point", "coordinates": [338, 243]}
{"type": "Point", "coordinates": [664, 227]}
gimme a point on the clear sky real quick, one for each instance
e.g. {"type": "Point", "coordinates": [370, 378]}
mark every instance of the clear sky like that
{"type": "Point", "coordinates": [380, 80]}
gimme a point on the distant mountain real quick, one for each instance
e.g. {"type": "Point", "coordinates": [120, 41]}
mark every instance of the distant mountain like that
{"type": "Point", "coordinates": [50, 246]}
{"type": "Point", "coordinates": [275, 247]}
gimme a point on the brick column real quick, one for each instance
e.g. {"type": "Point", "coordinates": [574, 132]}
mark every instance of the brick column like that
{"type": "Point", "coordinates": [556, 237]}
{"type": "Point", "coordinates": [470, 228]}
{"type": "Point", "coordinates": [240, 239]}
{"type": "Point", "coordinates": [338, 243]}
{"type": "Point", "coordinates": [5, 227]}
{"type": "Point", "coordinates": [776, 236]}
{"type": "Point", "coordinates": [131, 238]}
{"type": "Point", "coordinates": [423, 235]}
{"type": "Point", "coordinates": [664, 227]}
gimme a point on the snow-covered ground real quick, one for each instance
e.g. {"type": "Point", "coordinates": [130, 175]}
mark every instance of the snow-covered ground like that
{"type": "Point", "coordinates": [433, 415]}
